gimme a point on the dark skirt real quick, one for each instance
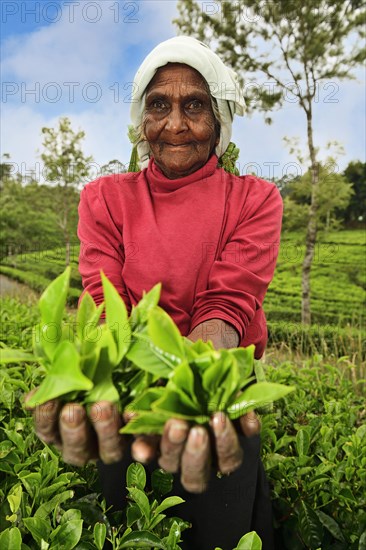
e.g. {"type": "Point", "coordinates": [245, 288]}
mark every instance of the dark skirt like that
{"type": "Point", "coordinates": [232, 506]}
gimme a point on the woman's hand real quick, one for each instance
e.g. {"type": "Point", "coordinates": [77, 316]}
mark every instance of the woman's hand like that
{"type": "Point", "coordinates": [79, 437]}
{"type": "Point", "coordinates": [189, 450]}
{"type": "Point", "coordinates": [82, 438]}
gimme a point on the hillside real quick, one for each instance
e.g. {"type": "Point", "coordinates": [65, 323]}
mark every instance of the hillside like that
{"type": "Point", "coordinates": [338, 283]}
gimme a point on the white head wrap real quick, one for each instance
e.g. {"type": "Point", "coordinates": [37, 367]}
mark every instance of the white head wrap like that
{"type": "Point", "coordinates": [222, 80]}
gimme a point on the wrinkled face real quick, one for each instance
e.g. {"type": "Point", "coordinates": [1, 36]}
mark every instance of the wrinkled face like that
{"type": "Point", "coordinates": [179, 123]}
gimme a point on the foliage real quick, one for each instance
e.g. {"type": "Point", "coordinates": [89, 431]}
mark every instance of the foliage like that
{"type": "Point", "coordinates": [334, 193]}
{"type": "Point", "coordinates": [67, 167]}
{"type": "Point", "coordinates": [299, 45]}
{"type": "Point", "coordinates": [314, 450]}
{"type": "Point", "coordinates": [355, 173]}
{"type": "Point", "coordinates": [38, 228]}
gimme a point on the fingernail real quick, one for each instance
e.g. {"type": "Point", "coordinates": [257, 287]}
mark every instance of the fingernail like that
{"type": "Point", "coordinates": [252, 417]}
{"type": "Point", "coordinates": [73, 417]}
{"type": "Point", "coordinates": [197, 438]}
{"type": "Point", "coordinates": [101, 412]}
{"type": "Point", "coordinates": [178, 432]}
{"type": "Point", "coordinates": [219, 423]}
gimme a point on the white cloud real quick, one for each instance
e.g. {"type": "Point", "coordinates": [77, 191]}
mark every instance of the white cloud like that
{"type": "Point", "coordinates": [79, 51]}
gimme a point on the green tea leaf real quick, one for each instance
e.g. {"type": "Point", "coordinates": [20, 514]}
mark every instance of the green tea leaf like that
{"type": "Point", "coordinates": [65, 376]}
{"type": "Point", "coordinates": [245, 360]}
{"type": "Point", "coordinates": [174, 535]}
{"type": "Point", "coordinates": [39, 528]}
{"type": "Point", "coordinates": [141, 500]}
{"type": "Point", "coordinates": [257, 395]}
{"type": "Point", "coordinates": [183, 381]}
{"type": "Point", "coordinates": [232, 382]}
{"type": "Point", "coordinates": [168, 502]}
{"type": "Point", "coordinates": [141, 355]}
{"type": "Point", "coordinates": [155, 521]}
{"type": "Point", "coordinates": [50, 505]}
{"type": "Point", "coordinates": [117, 317]}
{"type": "Point", "coordinates": [133, 514]}
{"type": "Point", "coordinates": [15, 497]}
{"type": "Point", "coordinates": [52, 301]}
{"type": "Point", "coordinates": [99, 534]}
{"type": "Point", "coordinates": [165, 334]}
{"type": "Point", "coordinates": [176, 405]}
{"type": "Point", "coordinates": [146, 423]}
{"type": "Point", "coordinates": [11, 538]}
{"type": "Point", "coordinates": [310, 528]}
{"type": "Point", "coordinates": [136, 476]}
{"type": "Point", "coordinates": [144, 402]}
{"type": "Point", "coordinates": [142, 539]}
{"type": "Point", "coordinates": [85, 312]}
{"type": "Point", "coordinates": [66, 535]}
{"type": "Point", "coordinates": [140, 313]}
{"type": "Point", "coordinates": [250, 541]}
{"type": "Point", "coordinates": [9, 355]}
{"type": "Point", "coordinates": [302, 442]}
{"type": "Point", "coordinates": [330, 524]}
{"type": "Point", "coordinates": [161, 482]}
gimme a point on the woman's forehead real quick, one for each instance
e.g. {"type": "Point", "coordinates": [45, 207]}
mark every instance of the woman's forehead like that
{"type": "Point", "coordinates": [177, 74]}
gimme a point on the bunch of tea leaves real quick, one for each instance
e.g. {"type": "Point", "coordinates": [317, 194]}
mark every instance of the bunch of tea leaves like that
{"type": "Point", "coordinates": [141, 361]}
{"type": "Point", "coordinates": [199, 379]}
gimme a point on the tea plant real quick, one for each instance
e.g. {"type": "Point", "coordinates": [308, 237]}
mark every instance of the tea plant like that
{"type": "Point", "coordinates": [315, 456]}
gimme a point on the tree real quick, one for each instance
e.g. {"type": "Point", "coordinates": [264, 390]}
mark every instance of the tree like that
{"type": "Point", "coordinates": [27, 219]}
{"type": "Point", "coordinates": [333, 196]}
{"type": "Point", "coordinates": [67, 167]}
{"type": "Point", "coordinates": [295, 45]}
{"type": "Point", "coordinates": [355, 173]}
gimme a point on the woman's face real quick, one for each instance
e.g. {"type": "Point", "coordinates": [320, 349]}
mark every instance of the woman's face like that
{"type": "Point", "coordinates": [179, 124]}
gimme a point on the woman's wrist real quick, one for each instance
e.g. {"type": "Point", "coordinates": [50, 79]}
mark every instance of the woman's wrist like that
{"type": "Point", "coordinates": [221, 333]}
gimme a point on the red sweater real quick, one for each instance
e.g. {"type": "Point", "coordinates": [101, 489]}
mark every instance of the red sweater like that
{"type": "Point", "coordinates": [211, 238]}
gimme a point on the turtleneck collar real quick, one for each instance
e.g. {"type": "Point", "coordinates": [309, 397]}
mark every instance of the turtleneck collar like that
{"type": "Point", "coordinates": [161, 184]}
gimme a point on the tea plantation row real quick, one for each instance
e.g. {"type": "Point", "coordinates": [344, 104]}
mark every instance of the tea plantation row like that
{"type": "Point", "coordinates": [338, 282]}
{"type": "Point", "coordinates": [314, 452]}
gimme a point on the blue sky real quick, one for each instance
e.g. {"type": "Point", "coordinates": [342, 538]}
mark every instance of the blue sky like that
{"type": "Point", "coordinates": [78, 59]}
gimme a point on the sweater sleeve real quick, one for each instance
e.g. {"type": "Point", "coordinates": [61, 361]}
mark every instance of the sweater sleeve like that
{"type": "Point", "coordinates": [101, 245]}
{"type": "Point", "coordinates": [239, 277]}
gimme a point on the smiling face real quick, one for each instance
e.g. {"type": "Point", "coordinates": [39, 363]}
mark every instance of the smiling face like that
{"type": "Point", "coordinates": [179, 123]}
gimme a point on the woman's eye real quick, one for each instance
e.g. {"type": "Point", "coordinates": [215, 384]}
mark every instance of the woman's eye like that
{"type": "Point", "coordinates": [194, 105]}
{"type": "Point", "coordinates": [158, 104]}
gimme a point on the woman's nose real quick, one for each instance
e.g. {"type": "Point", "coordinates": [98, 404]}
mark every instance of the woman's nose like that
{"type": "Point", "coordinates": [176, 121]}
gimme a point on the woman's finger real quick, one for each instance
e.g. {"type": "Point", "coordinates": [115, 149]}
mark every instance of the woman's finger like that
{"type": "Point", "coordinates": [250, 424]}
{"type": "Point", "coordinates": [172, 444]}
{"type": "Point", "coordinates": [106, 421]}
{"type": "Point", "coordinates": [46, 419]}
{"type": "Point", "coordinates": [196, 461]}
{"type": "Point", "coordinates": [228, 449]}
{"type": "Point", "coordinates": [144, 448]}
{"type": "Point", "coordinates": [78, 440]}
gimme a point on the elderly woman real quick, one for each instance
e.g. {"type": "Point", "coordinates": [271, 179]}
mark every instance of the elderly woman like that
{"type": "Point", "coordinates": [211, 238]}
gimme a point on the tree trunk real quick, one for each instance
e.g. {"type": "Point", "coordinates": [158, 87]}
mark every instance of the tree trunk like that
{"type": "Point", "coordinates": [67, 256]}
{"type": "Point", "coordinates": [311, 228]}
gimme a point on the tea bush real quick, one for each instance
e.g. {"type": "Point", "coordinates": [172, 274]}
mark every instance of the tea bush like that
{"type": "Point", "coordinates": [314, 452]}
